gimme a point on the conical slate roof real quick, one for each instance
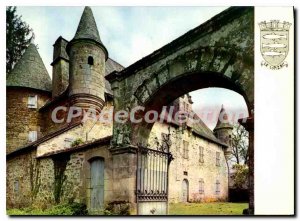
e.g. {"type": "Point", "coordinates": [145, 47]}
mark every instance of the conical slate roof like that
{"type": "Point", "coordinates": [30, 71]}
{"type": "Point", "coordinates": [87, 28]}
{"type": "Point", "coordinates": [224, 123]}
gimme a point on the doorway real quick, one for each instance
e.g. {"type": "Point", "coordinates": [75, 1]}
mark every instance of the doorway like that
{"type": "Point", "coordinates": [97, 184]}
{"type": "Point", "coordinates": [185, 191]}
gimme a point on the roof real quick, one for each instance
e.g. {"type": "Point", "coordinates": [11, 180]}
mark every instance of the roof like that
{"type": "Point", "coordinates": [84, 146]}
{"type": "Point", "coordinates": [87, 30]}
{"type": "Point", "coordinates": [34, 144]}
{"type": "Point", "coordinates": [224, 123]}
{"type": "Point", "coordinates": [111, 66]}
{"type": "Point", "coordinates": [201, 129]}
{"type": "Point", "coordinates": [197, 126]}
{"type": "Point", "coordinates": [30, 71]}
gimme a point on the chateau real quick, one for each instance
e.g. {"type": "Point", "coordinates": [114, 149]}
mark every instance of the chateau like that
{"type": "Point", "coordinates": [50, 163]}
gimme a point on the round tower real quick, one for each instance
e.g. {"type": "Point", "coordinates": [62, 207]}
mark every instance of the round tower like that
{"type": "Point", "coordinates": [87, 57]}
{"type": "Point", "coordinates": [28, 88]}
{"type": "Point", "coordinates": [223, 130]}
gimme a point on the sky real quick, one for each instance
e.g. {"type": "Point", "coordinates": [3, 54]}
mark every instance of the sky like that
{"type": "Point", "coordinates": [129, 34]}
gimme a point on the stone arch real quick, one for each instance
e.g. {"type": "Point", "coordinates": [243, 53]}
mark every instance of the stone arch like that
{"type": "Point", "coordinates": [196, 69]}
{"type": "Point", "coordinates": [210, 63]}
{"type": "Point", "coordinates": [218, 53]}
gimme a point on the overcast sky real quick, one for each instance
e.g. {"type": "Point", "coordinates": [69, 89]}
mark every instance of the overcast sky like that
{"type": "Point", "coordinates": [130, 33]}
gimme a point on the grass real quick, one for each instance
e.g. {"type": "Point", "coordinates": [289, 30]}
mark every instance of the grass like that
{"type": "Point", "coordinates": [207, 208]}
{"type": "Point", "coordinates": [70, 209]}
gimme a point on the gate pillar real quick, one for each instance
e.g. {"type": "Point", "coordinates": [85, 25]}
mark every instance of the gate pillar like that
{"type": "Point", "coordinates": [124, 180]}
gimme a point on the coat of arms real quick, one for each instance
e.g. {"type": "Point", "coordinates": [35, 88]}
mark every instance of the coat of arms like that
{"type": "Point", "coordinates": [274, 43]}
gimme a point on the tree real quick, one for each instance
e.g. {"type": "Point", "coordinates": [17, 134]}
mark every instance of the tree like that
{"type": "Point", "coordinates": [18, 37]}
{"type": "Point", "coordinates": [239, 142]}
{"type": "Point", "coordinates": [240, 176]}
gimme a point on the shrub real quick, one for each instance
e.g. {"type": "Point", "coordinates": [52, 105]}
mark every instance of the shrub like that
{"type": "Point", "coordinates": [77, 142]}
{"type": "Point", "coordinates": [70, 209]}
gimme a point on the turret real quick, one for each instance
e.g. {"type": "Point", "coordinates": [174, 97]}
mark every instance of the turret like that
{"type": "Point", "coordinates": [87, 56]}
{"type": "Point", "coordinates": [223, 130]}
{"type": "Point", "coordinates": [28, 87]}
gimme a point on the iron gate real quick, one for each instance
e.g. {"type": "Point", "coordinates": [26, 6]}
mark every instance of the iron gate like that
{"type": "Point", "coordinates": [152, 180]}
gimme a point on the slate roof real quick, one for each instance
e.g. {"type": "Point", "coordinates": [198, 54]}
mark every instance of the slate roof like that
{"type": "Point", "coordinates": [201, 129]}
{"type": "Point", "coordinates": [111, 66]}
{"type": "Point", "coordinates": [30, 71]}
{"type": "Point", "coordinates": [226, 124]}
{"type": "Point", "coordinates": [87, 28]}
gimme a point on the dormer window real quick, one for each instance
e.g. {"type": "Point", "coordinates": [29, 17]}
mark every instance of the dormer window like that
{"type": "Point", "coordinates": [90, 60]}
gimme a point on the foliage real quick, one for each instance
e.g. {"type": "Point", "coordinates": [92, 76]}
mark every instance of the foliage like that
{"type": "Point", "coordinates": [240, 176]}
{"type": "Point", "coordinates": [216, 208]}
{"type": "Point", "coordinates": [70, 209]}
{"type": "Point", "coordinates": [18, 37]}
{"type": "Point", "coordinates": [77, 142]}
{"type": "Point", "coordinates": [240, 145]}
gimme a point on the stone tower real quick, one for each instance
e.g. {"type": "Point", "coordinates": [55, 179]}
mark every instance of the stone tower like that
{"type": "Point", "coordinates": [87, 57]}
{"type": "Point", "coordinates": [28, 87]}
{"type": "Point", "coordinates": [223, 130]}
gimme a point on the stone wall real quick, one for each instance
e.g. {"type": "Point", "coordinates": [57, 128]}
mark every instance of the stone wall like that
{"type": "Point", "coordinates": [61, 178]}
{"type": "Point", "coordinates": [191, 168]}
{"type": "Point", "coordinates": [21, 119]}
{"type": "Point", "coordinates": [21, 180]}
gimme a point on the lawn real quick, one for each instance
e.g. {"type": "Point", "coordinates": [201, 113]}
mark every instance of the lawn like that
{"type": "Point", "coordinates": [207, 208]}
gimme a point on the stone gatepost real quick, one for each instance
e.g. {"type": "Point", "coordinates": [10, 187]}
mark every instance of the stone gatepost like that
{"type": "Point", "coordinates": [124, 180]}
{"type": "Point", "coordinates": [124, 160]}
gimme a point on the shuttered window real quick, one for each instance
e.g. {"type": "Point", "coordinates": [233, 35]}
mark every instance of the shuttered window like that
{"type": "Point", "coordinates": [201, 186]}
{"type": "Point", "coordinates": [218, 184]}
{"type": "Point", "coordinates": [201, 154]}
{"type": "Point", "coordinates": [185, 149]}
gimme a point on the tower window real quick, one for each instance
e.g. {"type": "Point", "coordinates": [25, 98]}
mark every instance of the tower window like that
{"type": "Point", "coordinates": [32, 101]}
{"type": "Point", "coordinates": [90, 60]}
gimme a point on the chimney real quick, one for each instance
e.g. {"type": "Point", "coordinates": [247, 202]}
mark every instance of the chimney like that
{"type": "Point", "coordinates": [60, 70]}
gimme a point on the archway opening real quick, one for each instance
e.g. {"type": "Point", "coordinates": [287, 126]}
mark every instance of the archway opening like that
{"type": "Point", "coordinates": [178, 87]}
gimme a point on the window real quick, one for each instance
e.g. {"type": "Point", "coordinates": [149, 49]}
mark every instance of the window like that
{"type": "Point", "coordinates": [16, 186]}
{"type": "Point", "coordinates": [90, 60]}
{"type": "Point", "coordinates": [201, 154]}
{"type": "Point", "coordinates": [201, 186]}
{"type": "Point", "coordinates": [185, 173]}
{"type": "Point", "coordinates": [218, 184]}
{"type": "Point", "coordinates": [32, 136]}
{"type": "Point", "coordinates": [32, 101]}
{"type": "Point", "coordinates": [185, 149]}
{"type": "Point", "coordinates": [218, 159]}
